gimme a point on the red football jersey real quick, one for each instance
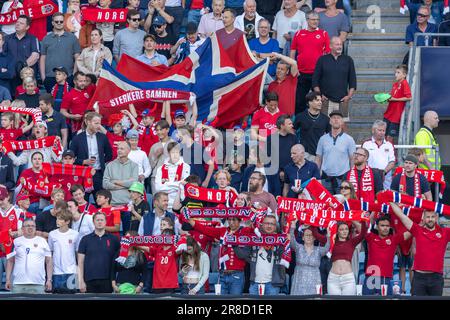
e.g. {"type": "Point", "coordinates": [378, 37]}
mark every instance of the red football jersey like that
{"type": "Point", "coordinates": [76, 102]}
{"type": "Point", "coordinates": [29, 174]}
{"type": "Point", "coordinates": [165, 272]}
{"type": "Point", "coordinates": [10, 134]}
{"type": "Point", "coordinates": [8, 222]}
{"type": "Point", "coordinates": [87, 208]}
{"type": "Point", "coordinates": [114, 139]}
{"type": "Point", "coordinates": [395, 108]}
{"type": "Point", "coordinates": [147, 138]}
{"type": "Point", "coordinates": [112, 218]}
{"type": "Point", "coordinates": [66, 182]}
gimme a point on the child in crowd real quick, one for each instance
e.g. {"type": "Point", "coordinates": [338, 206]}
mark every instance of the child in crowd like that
{"type": "Point", "coordinates": [112, 216]}
{"type": "Point", "coordinates": [7, 131]}
{"type": "Point", "coordinates": [139, 205]}
{"type": "Point", "coordinates": [146, 128]}
{"type": "Point", "coordinates": [30, 96]}
{"type": "Point", "coordinates": [400, 94]}
{"type": "Point", "coordinates": [61, 87]}
{"type": "Point", "coordinates": [179, 118]}
{"type": "Point", "coordinates": [26, 72]}
{"type": "Point", "coordinates": [91, 83]}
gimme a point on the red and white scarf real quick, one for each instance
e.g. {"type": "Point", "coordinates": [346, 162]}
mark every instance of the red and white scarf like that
{"type": "Point", "coordinates": [291, 204]}
{"type": "Point", "coordinates": [417, 202]}
{"type": "Point", "coordinates": [40, 188]}
{"type": "Point", "coordinates": [354, 204]}
{"type": "Point", "coordinates": [402, 185]}
{"type": "Point", "coordinates": [47, 142]}
{"type": "Point", "coordinates": [367, 190]}
{"type": "Point", "coordinates": [71, 170]}
{"type": "Point", "coordinates": [35, 113]}
{"type": "Point", "coordinates": [210, 195]}
{"type": "Point", "coordinates": [321, 194]}
{"type": "Point", "coordinates": [105, 15]}
{"type": "Point", "coordinates": [150, 241]}
{"type": "Point", "coordinates": [221, 213]}
{"type": "Point", "coordinates": [36, 11]}
{"type": "Point", "coordinates": [66, 89]}
{"type": "Point", "coordinates": [431, 175]}
{"type": "Point", "coordinates": [322, 218]}
{"type": "Point", "coordinates": [165, 172]}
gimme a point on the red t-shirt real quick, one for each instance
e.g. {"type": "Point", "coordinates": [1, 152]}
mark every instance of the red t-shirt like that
{"type": "Point", "coordinates": [112, 218]}
{"type": "Point", "coordinates": [10, 134]}
{"type": "Point", "coordinates": [148, 138]}
{"type": "Point", "coordinates": [265, 120]}
{"type": "Point", "coordinates": [66, 181]}
{"type": "Point", "coordinates": [7, 222]}
{"type": "Point", "coordinates": [76, 102]}
{"type": "Point", "coordinates": [87, 208]}
{"type": "Point", "coordinates": [114, 140]}
{"type": "Point", "coordinates": [21, 90]}
{"type": "Point", "coordinates": [395, 108]}
{"type": "Point", "coordinates": [310, 46]}
{"type": "Point", "coordinates": [197, 4]}
{"type": "Point", "coordinates": [430, 248]}
{"type": "Point", "coordinates": [381, 254]}
{"type": "Point", "coordinates": [165, 272]}
{"type": "Point", "coordinates": [286, 93]}
{"type": "Point", "coordinates": [405, 245]}
{"type": "Point", "coordinates": [29, 174]}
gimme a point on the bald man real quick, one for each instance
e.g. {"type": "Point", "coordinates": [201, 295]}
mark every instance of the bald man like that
{"type": "Point", "coordinates": [425, 137]}
{"type": "Point", "coordinates": [120, 174]}
{"type": "Point", "coordinates": [298, 171]}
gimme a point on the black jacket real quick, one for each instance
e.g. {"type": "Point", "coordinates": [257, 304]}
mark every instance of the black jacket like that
{"type": "Point", "coordinates": [7, 172]}
{"type": "Point", "coordinates": [80, 147]}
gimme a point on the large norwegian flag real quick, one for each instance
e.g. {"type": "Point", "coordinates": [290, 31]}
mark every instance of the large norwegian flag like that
{"type": "Point", "coordinates": [228, 84]}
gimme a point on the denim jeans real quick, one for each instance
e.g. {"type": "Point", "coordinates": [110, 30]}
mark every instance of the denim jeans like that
{"type": "Point", "coordinates": [60, 281]}
{"type": "Point", "coordinates": [232, 283]}
{"type": "Point", "coordinates": [194, 16]}
{"type": "Point", "coordinates": [269, 289]}
{"type": "Point", "coordinates": [2, 269]}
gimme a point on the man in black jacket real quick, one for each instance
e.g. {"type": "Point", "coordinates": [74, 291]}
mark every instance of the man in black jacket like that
{"type": "Point", "coordinates": [6, 172]}
{"type": "Point", "coordinates": [92, 148]}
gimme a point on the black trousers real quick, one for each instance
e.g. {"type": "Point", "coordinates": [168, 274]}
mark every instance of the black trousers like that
{"type": "Point", "coordinates": [427, 284]}
{"type": "Point", "coordinates": [98, 180]}
{"type": "Point", "coordinates": [99, 286]}
{"type": "Point", "coordinates": [304, 85]}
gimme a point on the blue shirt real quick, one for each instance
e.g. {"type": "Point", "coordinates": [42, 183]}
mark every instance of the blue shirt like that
{"type": "Point", "coordinates": [335, 153]}
{"type": "Point", "coordinates": [421, 41]}
{"type": "Point", "coordinates": [269, 47]}
{"type": "Point", "coordinates": [156, 57]}
{"type": "Point", "coordinates": [292, 172]}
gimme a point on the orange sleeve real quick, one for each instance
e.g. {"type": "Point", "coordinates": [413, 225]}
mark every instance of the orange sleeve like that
{"type": "Point", "coordinates": [116, 216]}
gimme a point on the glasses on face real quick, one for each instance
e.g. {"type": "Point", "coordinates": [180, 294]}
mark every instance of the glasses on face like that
{"type": "Point", "coordinates": [359, 154]}
{"type": "Point", "coordinates": [135, 19]}
{"type": "Point", "coordinates": [58, 21]}
{"type": "Point", "coordinates": [345, 187]}
{"type": "Point", "coordinates": [422, 15]}
{"type": "Point", "coordinates": [158, 27]}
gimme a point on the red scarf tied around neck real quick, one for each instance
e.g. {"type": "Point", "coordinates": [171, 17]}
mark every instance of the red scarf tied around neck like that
{"type": "Point", "coordinates": [367, 190]}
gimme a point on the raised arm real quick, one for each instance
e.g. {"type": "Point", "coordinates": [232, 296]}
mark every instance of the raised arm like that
{"type": "Point", "coordinates": [407, 222]}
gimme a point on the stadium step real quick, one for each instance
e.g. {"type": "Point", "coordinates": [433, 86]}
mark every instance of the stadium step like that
{"type": "Point", "coordinates": [377, 46]}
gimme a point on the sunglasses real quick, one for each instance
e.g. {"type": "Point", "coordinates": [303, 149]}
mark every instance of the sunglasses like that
{"type": "Point", "coordinates": [157, 27]}
{"type": "Point", "coordinates": [58, 21]}
{"type": "Point", "coordinates": [422, 15]}
{"type": "Point", "coordinates": [136, 19]}
{"type": "Point", "coordinates": [345, 187]}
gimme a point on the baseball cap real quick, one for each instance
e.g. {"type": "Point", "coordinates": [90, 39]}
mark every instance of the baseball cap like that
{"type": "Point", "coordinates": [21, 197]}
{"type": "Point", "coordinates": [382, 97]}
{"type": "Point", "coordinates": [3, 193]}
{"type": "Point", "coordinates": [132, 134]}
{"type": "Point", "coordinates": [147, 113]}
{"type": "Point", "coordinates": [336, 113]}
{"type": "Point", "coordinates": [159, 21]}
{"type": "Point", "coordinates": [61, 69]}
{"type": "Point", "coordinates": [412, 158]}
{"type": "Point", "coordinates": [179, 113]}
{"type": "Point", "coordinates": [237, 127]}
{"type": "Point", "coordinates": [68, 153]}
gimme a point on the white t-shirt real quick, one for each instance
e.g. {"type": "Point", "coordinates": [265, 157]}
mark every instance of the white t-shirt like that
{"type": "Point", "coordinates": [9, 28]}
{"type": "Point", "coordinates": [263, 272]}
{"type": "Point", "coordinates": [283, 25]}
{"type": "Point", "coordinates": [86, 227]}
{"type": "Point", "coordinates": [379, 155]}
{"type": "Point", "coordinates": [29, 266]}
{"type": "Point", "coordinates": [63, 246]}
{"type": "Point", "coordinates": [266, 184]}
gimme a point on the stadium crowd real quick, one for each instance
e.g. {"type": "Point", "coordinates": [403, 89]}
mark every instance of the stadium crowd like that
{"type": "Point", "coordinates": [76, 186]}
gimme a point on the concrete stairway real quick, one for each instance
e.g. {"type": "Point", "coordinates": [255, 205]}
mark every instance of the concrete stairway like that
{"type": "Point", "coordinates": [377, 46]}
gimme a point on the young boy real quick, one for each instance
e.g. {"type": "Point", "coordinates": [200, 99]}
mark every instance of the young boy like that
{"type": "Point", "coordinates": [7, 132]}
{"type": "Point", "coordinates": [112, 216]}
{"type": "Point", "coordinates": [138, 156]}
{"type": "Point", "coordinates": [61, 87]}
{"type": "Point", "coordinates": [78, 194]}
{"type": "Point", "coordinates": [139, 206]}
{"type": "Point", "coordinates": [147, 131]}
{"type": "Point", "coordinates": [63, 243]}
{"type": "Point", "coordinates": [179, 118]}
{"type": "Point", "coordinates": [400, 94]}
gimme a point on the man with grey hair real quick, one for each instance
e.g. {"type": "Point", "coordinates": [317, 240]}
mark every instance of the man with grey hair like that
{"type": "Point", "coordinates": [298, 171]}
{"type": "Point", "coordinates": [120, 174]}
{"type": "Point", "coordinates": [426, 137]}
{"type": "Point", "coordinates": [381, 152]}
{"type": "Point", "coordinates": [264, 46]}
{"type": "Point", "coordinates": [308, 45]}
{"type": "Point", "coordinates": [249, 20]}
{"type": "Point", "coordinates": [211, 22]}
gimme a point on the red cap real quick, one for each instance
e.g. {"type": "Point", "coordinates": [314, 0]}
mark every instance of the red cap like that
{"type": "Point", "coordinates": [21, 197]}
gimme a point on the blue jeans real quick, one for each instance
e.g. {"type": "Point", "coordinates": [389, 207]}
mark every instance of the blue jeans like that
{"type": "Point", "coordinates": [269, 289]}
{"type": "Point", "coordinates": [186, 287]}
{"type": "Point", "coordinates": [194, 16]}
{"type": "Point", "coordinates": [232, 283]}
{"type": "Point", "coordinates": [372, 285]}
{"type": "Point", "coordinates": [60, 281]}
{"type": "Point", "coordinates": [2, 268]}
{"type": "Point", "coordinates": [348, 10]}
